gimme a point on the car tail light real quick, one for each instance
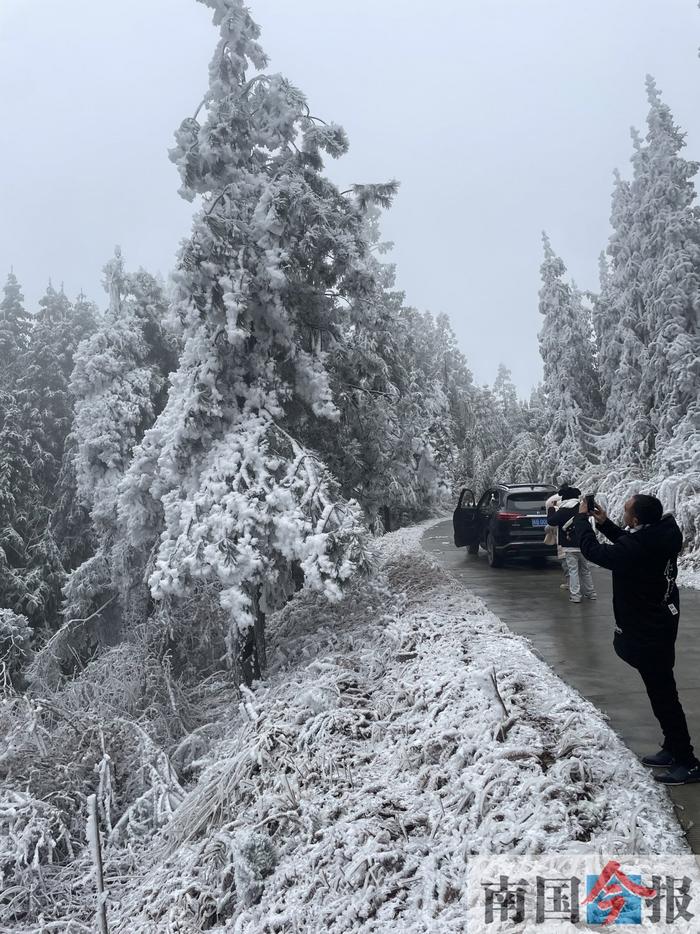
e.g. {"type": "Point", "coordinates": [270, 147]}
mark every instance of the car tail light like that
{"type": "Point", "coordinates": [508, 516]}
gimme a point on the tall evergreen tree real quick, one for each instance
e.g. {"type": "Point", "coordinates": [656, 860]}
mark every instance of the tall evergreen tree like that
{"type": "Point", "coordinates": [43, 383]}
{"type": "Point", "coordinates": [572, 395]}
{"type": "Point", "coordinates": [611, 301]}
{"type": "Point", "coordinates": [34, 419]}
{"type": "Point", "coordinates": [276, 265]}
{"type": "Point", "coordinates": [650, 301]}
{"type": "Point", "coordinates": [536, 415]}
{"type": "Point", "coordinates": [19, 501]}
{"type": "Point", "coordinates": [119, 380]}
{"type": "Point", "coordinates": [507, 399]}
{"type": "Point", "coordinates": [71, 521]}
{"type": "Point", "coordinates": [15, 326]}
{"type": "Point", "coordinates": [665, 196]}
{"type": "Point", "coordinates": [391, 411]}
{"type": "Point", "coordinates": [453, 443]}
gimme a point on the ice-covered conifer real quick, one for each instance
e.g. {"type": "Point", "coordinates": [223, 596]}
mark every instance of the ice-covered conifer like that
{"type": "Point", "coordinates": [35, 412]}
{"type": "Point", "coordinates": [395, 439]}
{"type": "Point", "coordinates": [119, 382]}
{"type": "Point", "coordinates": [609, 307]}
{"type": "Point", "coordinates": [572, 395]}
{"type": "Point", "coordinates": [507, 399]}
{"type": "Point", "coordinates": [15, 325]}
{"type": "Point", "coordinates": [276, 262]}
{"type": "Point", "coordinates": [649, 305]}
{"type": "Point", "coordinates": [669, 240]}
{"type": "Point", "coordinates": [44, 382]}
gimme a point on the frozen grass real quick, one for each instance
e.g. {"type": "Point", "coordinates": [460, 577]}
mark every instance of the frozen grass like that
{"type": "Point", "coordinates": [396, 734]}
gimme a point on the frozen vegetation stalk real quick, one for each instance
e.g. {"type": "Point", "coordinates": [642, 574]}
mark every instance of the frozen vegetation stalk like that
{"type": "Point", "coordinates": [93, 836]}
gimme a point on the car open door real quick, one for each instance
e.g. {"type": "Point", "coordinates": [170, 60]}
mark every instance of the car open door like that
{"type": "Point", "coordinates": [466, 520]}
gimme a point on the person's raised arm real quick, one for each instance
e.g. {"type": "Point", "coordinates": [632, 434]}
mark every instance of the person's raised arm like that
{"type": "Point", "coordinates": [606, 525]}
{"type": "Point", "coordinates": [613, 557]}
{"type": "Point", "coordinates": [555, 517]}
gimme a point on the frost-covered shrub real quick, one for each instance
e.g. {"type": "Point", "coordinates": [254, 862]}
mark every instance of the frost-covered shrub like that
{"type": "Point", "coordinates": [33, 834]}
{"type": "Point", "coordinates": [256, 858]}
{"type": "Point", "coordinates": [85, 585]}
{"type": "Point", "coordinates": [15, 647]}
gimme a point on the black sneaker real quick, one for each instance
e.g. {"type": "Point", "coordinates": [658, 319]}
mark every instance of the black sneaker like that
{"type": "Point", "coordinates": [660, 760]}
{"type": "Point", "coordinates": [680, 775]}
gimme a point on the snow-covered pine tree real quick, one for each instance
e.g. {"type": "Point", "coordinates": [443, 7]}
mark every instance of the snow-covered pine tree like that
{"type": "Point", "coordinates": [608, 304]}
{"type": "Point", "coordinates": [395, 433]}
{"type": "Point", "coordinates": [452, 432]}
{"type": "Point", "coordinates": [668, 224]}
{"type": "Point", "coordinates": [648, 310]}
{"type": "Point", "coordinates": [119, 382]}
{"type": "Point", "coordinates": [31, 572]}
{"type": "Point", "coordinates": [535, 415]}
{"type": "Point", "coordinates": [487, 440]}
{"type": "Point", "coordinates": [276, 263]}
{"type": "Point", "coordinates": [15, 326]}
{"type": "Point", "coordinates": [423, 439]}
{"type": "Point", "coordinates": [34, 419]}
{"type": "Point", "coordinates": [71, 521]}
{"type": "Point", "coordinates": [572, 395]}
{"type": "Point", "coordinates": [522, 434]}
{"type": "Point", "coordinates": [43, 383]}
{"type": "Point", "coordinates": [506, 396]}
{"type": "Point", "coordinates": [19, 502]}
{"type": "Point", "coordinates": [376, 450]}
{"type": "Point", "coordinates": [368, 453]}
{"type": "Point", "coordinates": [621, 335]}
{"type": "Point", "coordinates": [397, 441]}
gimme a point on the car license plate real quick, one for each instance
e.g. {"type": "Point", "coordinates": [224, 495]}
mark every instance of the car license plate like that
{"type": "Point", "coordinates": [538, 523]}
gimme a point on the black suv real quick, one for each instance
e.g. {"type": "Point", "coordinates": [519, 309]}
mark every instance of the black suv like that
{"type": "Point", "coordinates": [510, 521]}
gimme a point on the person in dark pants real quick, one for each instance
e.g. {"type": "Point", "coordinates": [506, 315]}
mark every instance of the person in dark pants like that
{"type": "Point", "coordinates": [643, 560]}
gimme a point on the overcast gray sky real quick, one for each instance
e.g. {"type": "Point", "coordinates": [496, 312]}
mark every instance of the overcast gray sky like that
{"type": "Point", "coordinates": [499, 117]}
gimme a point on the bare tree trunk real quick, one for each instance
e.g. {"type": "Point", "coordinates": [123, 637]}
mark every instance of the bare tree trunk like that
{"type": "Point", "coordinates": [93, 835]}
{"type": "Point", "coordinates": [247, 659]}
{"type": "Point", "coordinates": [260, 647]}
{"type": "Point", "coordinates": [386, 518]}
{"type": "Point", "coordinates": [251, 654]}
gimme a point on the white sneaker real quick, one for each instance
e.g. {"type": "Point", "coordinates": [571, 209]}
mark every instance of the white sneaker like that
{"type": "Point", "coordinates": [574, 599]}
{"type": "Point", "coordinates": [563, 586]}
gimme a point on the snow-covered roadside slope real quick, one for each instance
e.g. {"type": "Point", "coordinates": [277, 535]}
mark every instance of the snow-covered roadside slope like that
{"type": "Point", "coordinates": [355, 782]}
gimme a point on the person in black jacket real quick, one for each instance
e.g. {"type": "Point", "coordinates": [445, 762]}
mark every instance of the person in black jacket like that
{"type": "Point", "coordinates": [643, 560]}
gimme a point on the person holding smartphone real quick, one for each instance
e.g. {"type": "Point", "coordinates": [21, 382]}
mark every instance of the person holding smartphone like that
{"type": "Point", "coordinates": [643, 558]}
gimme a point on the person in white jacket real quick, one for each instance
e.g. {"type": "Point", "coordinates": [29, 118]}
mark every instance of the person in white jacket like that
{"type": "Point", "coordinates": [580, 577]}
{"type": "Point", "coordinates": [553, 503]}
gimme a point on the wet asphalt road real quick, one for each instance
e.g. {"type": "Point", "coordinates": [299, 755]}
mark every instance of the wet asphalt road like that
{"type": "Point", "coordinates": [576, 642]}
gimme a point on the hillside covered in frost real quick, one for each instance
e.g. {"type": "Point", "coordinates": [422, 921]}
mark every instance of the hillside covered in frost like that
{"type": "Point", "coordinates": [395, 735]}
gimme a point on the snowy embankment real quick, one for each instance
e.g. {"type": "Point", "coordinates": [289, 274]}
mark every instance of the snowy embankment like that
{"type": "Point", "coordinates": [396, 734]}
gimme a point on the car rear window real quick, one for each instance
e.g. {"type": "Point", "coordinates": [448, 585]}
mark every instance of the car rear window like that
{"type": "Point", "coordinates": [527, 502]}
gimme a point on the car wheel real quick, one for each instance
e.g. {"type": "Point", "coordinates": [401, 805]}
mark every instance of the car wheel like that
{"type": "Point", "coordinates": [473, 549]}
{"type": "Point", "coordinates": [495, 560]}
